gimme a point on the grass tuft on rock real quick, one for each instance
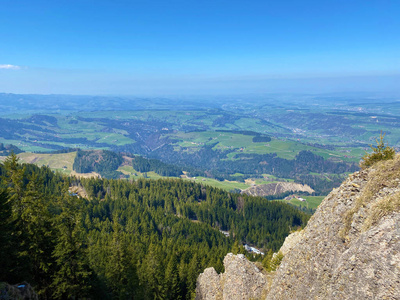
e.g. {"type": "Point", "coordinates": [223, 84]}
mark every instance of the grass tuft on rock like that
{"type": "Point", "coordinates": [384, 174]}
{"type": "Point", "coordinates": [382, 208]}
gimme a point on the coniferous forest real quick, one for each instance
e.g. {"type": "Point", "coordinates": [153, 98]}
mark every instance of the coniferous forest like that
{"type": "Point", "coordinates": [120, 239]}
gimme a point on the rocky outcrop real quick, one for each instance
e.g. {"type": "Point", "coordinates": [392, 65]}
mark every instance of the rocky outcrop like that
{"type": "Point", "coordinates": [241, 280]}
{"type": "Point", "coordinates": [350, 248]}
{"type": "Point", "coordinates": [291, 241]}
{"type": "Point", "coordinates": [277, 188]}
{"type": "Point", "coordinates": [208, 285]}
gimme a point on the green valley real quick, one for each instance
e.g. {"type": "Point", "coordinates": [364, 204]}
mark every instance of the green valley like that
{"type": "Point", "coordinates": [223, 142]}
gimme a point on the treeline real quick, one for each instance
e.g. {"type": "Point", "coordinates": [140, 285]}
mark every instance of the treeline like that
{"type": "Point", "coordinates": [6, 150]}
{"type": "Point", "coordinates": [284, 195]}
{"type": "Point", "coordinates": [213, 163]}
{"type": "Point", "coordinates": [129, 239]}
{"type": "Point", "coordinates": [103, 162]}
{"type": "Point", "coordinates": [258, 137]}
{"type": "Point", "coordinates": [299, 169]}
{"type": "Point", "coordinates": [261, 139]}
{"type": "Point", "coordinates": [63, 150]}
{"type": "Point", "coordinates": [107, 162]}
{"type": "Point", "coordinates": [304, 163]}
{"type": "Point", "coordinates": [324, 184]}
{"type": "Point", "coordinates": [142, 164]}
{"type": "Point", "coordinates": [14, 129]}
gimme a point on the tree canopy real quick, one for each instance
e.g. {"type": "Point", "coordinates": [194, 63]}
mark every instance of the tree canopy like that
{"type": "Point", "coordinates": [144, 239]}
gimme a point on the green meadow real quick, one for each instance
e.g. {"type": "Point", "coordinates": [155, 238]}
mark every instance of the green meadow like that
{"type": "Point", "coordinates": [311, 201]}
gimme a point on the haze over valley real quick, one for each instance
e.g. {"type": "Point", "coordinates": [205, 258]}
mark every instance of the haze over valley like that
{"type": "Point", "coordinates": [199, 149]}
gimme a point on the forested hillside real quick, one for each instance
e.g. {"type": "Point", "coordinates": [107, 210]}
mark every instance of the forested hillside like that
{"type": "Point", "coordinates": [101, 161]}
{"type": "Point", "coordinates": [142, 164]}
{"type": "Point", "coordinates": [7, 149]}
{"type": "Point", "coordinates": [306, 168]}
{"type": "Point", "coordinates": [144, 239]}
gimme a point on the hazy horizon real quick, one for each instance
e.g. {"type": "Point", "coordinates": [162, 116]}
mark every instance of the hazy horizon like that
{"type": "Point", "coordinates": [208, 47]}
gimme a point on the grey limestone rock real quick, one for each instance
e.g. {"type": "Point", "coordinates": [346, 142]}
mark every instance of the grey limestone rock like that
{"type": "Point", "coordinates": [208, 285]}
{"type": "Point", "coordinates": [241, 280]}
{"type": "Point", "coordinates": [291, 241]}
{"type": "Point", "coordinates": [350, 248]}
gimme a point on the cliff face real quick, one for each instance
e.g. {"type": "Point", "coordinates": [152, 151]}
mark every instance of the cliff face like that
{"type": "Point", "coordinates": [350, 248]}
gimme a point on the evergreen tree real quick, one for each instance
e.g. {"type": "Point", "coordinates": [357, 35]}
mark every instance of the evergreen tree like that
{"type": "Point", "coordinates": [173, 290]}
{"type": "Point", "coordinates": [193, 273]}
{"type": "Point", "coordinates": [14, 181]}
{"type": "Point", "coordinates": [380, 152]}
{"type": "Point", "coordinates": [235, 248]}
{"type": "Point", "coordinates": [71, 279]}
{"type": "Point", "coordinates": [7, 244]}
{"type": "Point", "coordinates": [121, 271]}
{"type": "Point", "coordinates": [38, 235]}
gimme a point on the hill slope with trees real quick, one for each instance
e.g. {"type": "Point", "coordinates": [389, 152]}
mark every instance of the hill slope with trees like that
{"type": "Point", "coordinates": [145, 239]}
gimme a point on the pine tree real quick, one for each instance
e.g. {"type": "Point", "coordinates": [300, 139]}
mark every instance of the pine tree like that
{"type": "Point", "coordinates": [14, 181]}
{"type": "Point", "coordinates": [7, 245]}
{"type": "Point", "coordinates": [71, 279]}
{"type": "Point", "coordinates": [235, 247]}
{"type": "Point", "coordinates": [380, 152]}
{"type": "Point", "coordinates": [36, 224]}
{"type": "Point", "coordinates": [152, 274]}
{"type": "Point", "coordinates": [267, 260]}
{"type": "Point", "coordinates": [173, 290]}
{"type": "Point", "coordinates": [193, 273]}
{"type": "Point", "coordinates": [121, 271]}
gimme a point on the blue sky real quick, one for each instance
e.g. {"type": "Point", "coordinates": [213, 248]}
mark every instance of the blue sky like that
{"type": "Point", "coordinates": [189, 47]}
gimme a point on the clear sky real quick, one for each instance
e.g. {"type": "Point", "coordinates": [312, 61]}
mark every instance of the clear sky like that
{"type": "Point", "coordinates": [203, 46]}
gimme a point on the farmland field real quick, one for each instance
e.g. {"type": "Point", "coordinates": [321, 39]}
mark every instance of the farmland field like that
{"type": "Point", "coordinates": [224, 142]}
{"type": "Point", "coordinates": [311, 202]}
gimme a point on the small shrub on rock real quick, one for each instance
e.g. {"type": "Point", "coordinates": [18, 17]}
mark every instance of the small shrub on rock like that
{"type": "Point", "coordinates": [380, 152]}
{"type": "Point", "coordinates": [272, 261]}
